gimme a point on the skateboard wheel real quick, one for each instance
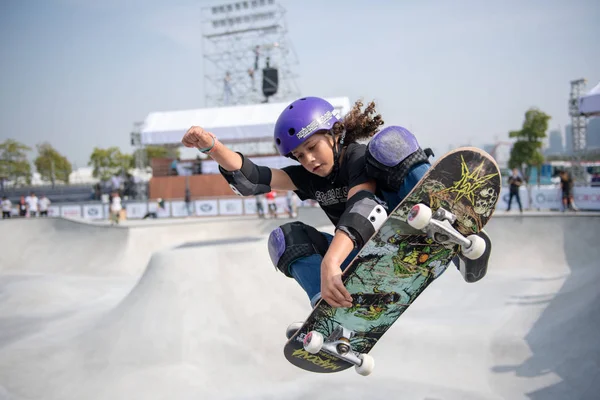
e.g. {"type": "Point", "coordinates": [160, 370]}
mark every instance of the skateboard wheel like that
{"type": "Point", "coordinates": [313, 342]}
{"type": "Point", "coordinates": [366, 366]}
{"type": "Point", "coordinates": [292, 329]}
{"type": "Point", "coordinates": [419, 216]}
{"type": "Point", "coordinates": [476, 249]}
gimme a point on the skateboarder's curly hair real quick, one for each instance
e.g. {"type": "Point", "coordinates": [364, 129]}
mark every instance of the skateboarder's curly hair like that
{"type": "Point", "coordinates": [359, 123]}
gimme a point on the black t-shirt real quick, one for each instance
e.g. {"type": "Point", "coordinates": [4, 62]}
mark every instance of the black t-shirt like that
{"type": "Point", "coordinates": [515, 182]}
{"type": "Point", "coordinates": [566, 182]}
{"type": "Point", "coordinates": [332, 197]}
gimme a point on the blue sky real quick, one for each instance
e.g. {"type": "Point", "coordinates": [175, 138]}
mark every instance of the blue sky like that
{"type": "Point", "coordinates": [78, 73]}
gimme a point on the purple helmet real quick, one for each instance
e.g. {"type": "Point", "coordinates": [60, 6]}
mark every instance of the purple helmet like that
{"type": "Point", "coordinates": [300, 120]}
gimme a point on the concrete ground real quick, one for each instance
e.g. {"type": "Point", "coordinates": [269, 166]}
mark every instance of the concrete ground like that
{"type": "Point", "coordinates": [193, 309]}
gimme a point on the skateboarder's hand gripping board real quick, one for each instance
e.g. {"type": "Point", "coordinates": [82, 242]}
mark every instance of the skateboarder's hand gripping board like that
{"type": "Point", "coordinates": [333, 290]}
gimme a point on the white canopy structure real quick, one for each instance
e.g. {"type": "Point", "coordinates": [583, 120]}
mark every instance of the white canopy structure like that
{"type": "Point", "coordinates": [230, 124]}
{"type": "Point", "coordinates": [590, 103]}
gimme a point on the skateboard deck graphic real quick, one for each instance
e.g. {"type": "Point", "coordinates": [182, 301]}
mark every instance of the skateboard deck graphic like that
{"type": "Point", "coordinates": [398, 263]}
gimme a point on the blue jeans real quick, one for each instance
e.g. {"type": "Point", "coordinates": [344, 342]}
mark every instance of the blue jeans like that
{"type": "Point", "coordinates": [307, 270]}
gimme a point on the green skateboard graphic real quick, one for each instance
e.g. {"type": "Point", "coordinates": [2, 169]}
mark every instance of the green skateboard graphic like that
{"type": "Point", "coordinates": [439, 218]}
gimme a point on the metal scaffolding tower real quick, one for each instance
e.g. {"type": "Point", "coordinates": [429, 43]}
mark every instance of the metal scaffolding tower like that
{"type": "Point", "coordinates": [241, 39]}
{"type": "Point", "coordinates": [578, 120]}
{"type": "Point", "coordinates": [579, 127]}
{"type": "Point", "coordinates": [140, 158]}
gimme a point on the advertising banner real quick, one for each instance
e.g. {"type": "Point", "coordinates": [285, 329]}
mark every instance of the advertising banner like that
{"type": "Point", "coordinates": [179, 209]}
{"type": "Point", "coordinates": [93, 211]}
{"type": "Point", "coordinates": [250, 207]}
{"type": "Point", "coordinates": [543, 198]}
{"type": "Point", "coordinates": [586, 198]}
{"type": "Point", "coordinates": [136, 210]}
{"type": "Point", "coordinates": [231, 207]}
{"type": "Point", "coordinates": [70, 211]}
{"type": "Point", "coordinates": [550, 198]}
{"type": "Point", "coordinates": [502, 204]}
{"type": "Point", "coordinates": [281, 203]}
{"type": "Point", "coordinates": [53, 211]}
{"type": "Point", "coordinates": [206, 208]}
{"type": "Point", "coordinates": [160, 212]}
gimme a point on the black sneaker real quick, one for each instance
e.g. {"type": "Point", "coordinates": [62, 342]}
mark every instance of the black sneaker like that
{"type": "Point", "coordinates": [474, 270]}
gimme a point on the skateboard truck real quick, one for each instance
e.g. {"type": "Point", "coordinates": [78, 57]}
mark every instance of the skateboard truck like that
{"type": "Point", "coordinates": [338, 345]}
{"type": "Point", "coordinates": [341, 337]}
{"type": "Point", "coordinates": [438, 226]}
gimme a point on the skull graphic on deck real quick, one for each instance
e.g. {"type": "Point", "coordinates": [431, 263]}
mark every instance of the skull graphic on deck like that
{"type": "Point", "coordinates": [485, 201]}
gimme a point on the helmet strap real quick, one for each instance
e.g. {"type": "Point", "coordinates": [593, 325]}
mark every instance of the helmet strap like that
{"type": "Point", "coordinates": [337, 151]}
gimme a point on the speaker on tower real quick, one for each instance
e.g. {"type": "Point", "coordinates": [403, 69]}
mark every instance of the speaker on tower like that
{"type": "Point", "coordinates": [270, 81]}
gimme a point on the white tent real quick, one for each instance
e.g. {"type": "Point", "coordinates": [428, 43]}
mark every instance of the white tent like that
{"type": "Point", "coordinates": [237, 123]}
{"type": "Point", "coordinates": [590, 103]}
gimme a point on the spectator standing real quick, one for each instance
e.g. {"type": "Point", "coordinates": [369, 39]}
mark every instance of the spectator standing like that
{"type": "Point", "coordinates": [595, 181]}
{"type": "Point", "coordinates": [188, 202]}
{"type": "Point", "coordinates": [259, 206]}
{"type": "Point", "coordinates": [291, 204]}
{"type": "Point", "coordinates": [97, 192]}
{"type": "Point", "coordinates": [174, 167]}
{"type": "Point", "coordinates": [566, 186]}
{"type": "Point", "coordinates": [271, 203]}
{"type": "Point", "coordinates": [43, 204]}
{"type": "Point", "coordinates": [154, 214]}
{"type": "Point", "coordinates": [115, 207]}
{"type": "Point", "coordinates": [515, 181]}
{"type": "Point", "coordinates": [32, 204]}
{"type": "Point", "coordinates": [22, 207]}
{"type": "Point", "coordinates": [227, 92]}
{"type": "Point", "coordinates": [6, 207]}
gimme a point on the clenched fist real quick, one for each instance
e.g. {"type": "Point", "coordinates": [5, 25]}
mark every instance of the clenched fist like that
{"type": "Point", "coordinates": [198, 137]}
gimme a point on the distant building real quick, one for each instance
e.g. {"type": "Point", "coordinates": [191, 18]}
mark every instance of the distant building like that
{"type": "Point", "coordinates": [82, 175]}
{"type": "Point", "coordinates": [593, 134]}
{"type": "Point", "coordinates": [568, 140]}
{"type": "Point", "coordinates": [555, 143]}
{"type": "Point", "coordinates": [500, 151]}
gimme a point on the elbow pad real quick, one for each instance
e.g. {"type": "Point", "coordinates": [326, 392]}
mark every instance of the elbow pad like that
{"type": "Point", "coordinates": [391, 155]}
{"type": "Point", "coordinates": [249, 180]}
{"type": "Point", "coordinates": [364, 215]}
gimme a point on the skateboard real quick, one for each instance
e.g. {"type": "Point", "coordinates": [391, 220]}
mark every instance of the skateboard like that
{"type": "Point", "coordinates": [440, 218]}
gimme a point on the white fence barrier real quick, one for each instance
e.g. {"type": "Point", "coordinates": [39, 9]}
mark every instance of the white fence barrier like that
{"type": "Point", "coordinates": [543, 198]}
{"type": "Point", "coordinates": [550, 198]}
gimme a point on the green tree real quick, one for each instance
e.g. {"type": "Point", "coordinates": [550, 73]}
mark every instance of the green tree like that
{"type": "Point", "coordinates": [527, 149]}
{"type": "Point", "coordinates": [52, 165]}
{"type": "Point", "coordinates": [155, 152]}
{"type": "Point", "coordinates": [109, 162]}
{"type": "Point", "coordinates": [150, 152]}
{"type": "Point", "coordinates": [14, 165]}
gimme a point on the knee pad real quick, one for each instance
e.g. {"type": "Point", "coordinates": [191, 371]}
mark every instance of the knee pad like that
{"type": "Point", "coordinates": [363, 216]}
{"type": "Point", "coordinates": [391, 154]}
{"type": "Point", "coordinates": [292, 241]}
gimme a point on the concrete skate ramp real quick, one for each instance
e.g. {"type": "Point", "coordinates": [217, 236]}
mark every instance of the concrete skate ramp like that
{"type": "Point", "coordinates": [196, 310]}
